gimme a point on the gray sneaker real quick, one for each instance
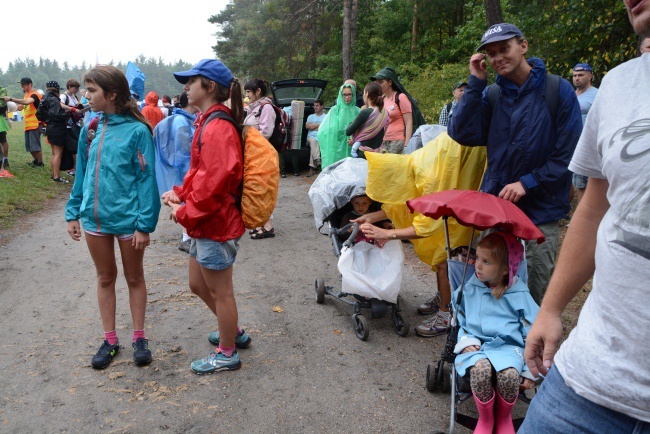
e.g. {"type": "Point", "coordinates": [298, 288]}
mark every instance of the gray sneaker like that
{"type": "Point", "coordinates": [430, 306]}
{"type": "Point", "coordinates": [434, 326]}
{"type": "Point", "coordinates": [185, 245]}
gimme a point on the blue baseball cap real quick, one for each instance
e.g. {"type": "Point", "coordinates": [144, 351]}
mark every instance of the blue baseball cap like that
{"type": "Point", "coordinates": [212, 69]}
{"type": "Point", "coordinates": [582, 67]}
{"type": "Point", "coordinates": [499, 32]}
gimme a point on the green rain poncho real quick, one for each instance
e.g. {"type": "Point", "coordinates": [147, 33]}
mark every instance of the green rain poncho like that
{"type": "Point", "coordinates": [331, 134]}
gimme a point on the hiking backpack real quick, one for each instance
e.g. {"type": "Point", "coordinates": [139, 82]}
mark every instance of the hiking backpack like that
{"type": "Point", "coordinates": [261, 173]}
{"type": "Point", "coordinates": [416, 114]}
{"type": "Point", "coordinates": [280, 137]}
{"type": "Point", "coordinates": [551, 94]}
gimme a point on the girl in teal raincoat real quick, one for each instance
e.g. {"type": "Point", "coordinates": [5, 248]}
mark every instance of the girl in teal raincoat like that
{"type": "Point", "coordinates": [332, 139]}
{"type": "Point", "coordinates": [495, 315]}
{"type": "Point", "coordinates": [115, 197]}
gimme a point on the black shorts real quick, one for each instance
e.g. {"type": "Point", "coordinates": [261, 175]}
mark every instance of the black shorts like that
{"type": "Point", "coordinates": [3, 137]}
{"type": "Point", "coordinates": [56, 140]}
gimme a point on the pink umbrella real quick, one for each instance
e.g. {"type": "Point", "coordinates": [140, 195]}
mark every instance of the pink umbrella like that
{"type": "Point", "coordinates": [479, 210]}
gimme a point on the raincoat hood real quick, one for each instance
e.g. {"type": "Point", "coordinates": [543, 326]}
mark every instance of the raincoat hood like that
{"type": "Point", "coordinates": [515, 255]}
{"type": "Point", "coordinates": [331, 133]}
{"type": "Point", "coordinates": [151, 98]}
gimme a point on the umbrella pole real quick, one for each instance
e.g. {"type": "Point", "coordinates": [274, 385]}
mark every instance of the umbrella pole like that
{"type": "Point", "coordinates": [462, 285]}
{"type": "Point", "coordinates": [448, 247]}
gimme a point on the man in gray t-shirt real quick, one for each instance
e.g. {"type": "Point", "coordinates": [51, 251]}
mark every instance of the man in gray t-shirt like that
{"type": "Point", "coordinates": [600, 381]}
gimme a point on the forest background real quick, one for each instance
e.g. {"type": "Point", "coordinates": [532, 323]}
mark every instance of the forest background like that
{"type": "Point", "coordinates": [428, 42]}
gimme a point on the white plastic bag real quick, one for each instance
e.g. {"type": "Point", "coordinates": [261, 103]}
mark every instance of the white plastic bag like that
{"type": "Point", "coordinates": [372, 272]}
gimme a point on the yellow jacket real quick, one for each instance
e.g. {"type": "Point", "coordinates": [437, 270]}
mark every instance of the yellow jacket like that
{"type": "Point", "coordinates": [442, 164]}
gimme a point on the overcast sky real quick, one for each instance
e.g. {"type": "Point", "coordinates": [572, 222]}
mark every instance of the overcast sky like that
{"type": "Point", "coordinates": [118, 30]}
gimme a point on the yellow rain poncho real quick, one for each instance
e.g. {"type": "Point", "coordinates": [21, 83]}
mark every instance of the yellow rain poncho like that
{"type": "Point", "coordinates": [441, 165]}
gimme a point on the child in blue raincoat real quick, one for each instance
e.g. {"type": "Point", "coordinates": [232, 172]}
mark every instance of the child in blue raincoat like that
{"type": "Point", "coordinates": [495, 315]}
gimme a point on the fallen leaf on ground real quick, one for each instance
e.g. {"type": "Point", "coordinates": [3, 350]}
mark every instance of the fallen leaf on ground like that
{"type": "Point", "coordinates": [277, 309]}
{"type": "Point", "coordinates": [116, 375]}
{"type": "Point", "coordinates": [337, 332]}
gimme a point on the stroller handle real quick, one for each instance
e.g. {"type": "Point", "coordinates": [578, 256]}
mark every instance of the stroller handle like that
{"type": "Point", "coordinates": [335, 233]}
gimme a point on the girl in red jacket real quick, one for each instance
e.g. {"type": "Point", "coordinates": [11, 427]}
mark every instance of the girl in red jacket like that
{"type": "Point", "coordinates": [206, 205]}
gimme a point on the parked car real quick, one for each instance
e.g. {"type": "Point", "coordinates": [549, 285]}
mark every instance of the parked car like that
{"type": "Point", "coordinates": [303, 89]}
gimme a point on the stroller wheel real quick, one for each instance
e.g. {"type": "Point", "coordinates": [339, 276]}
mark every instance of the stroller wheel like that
{"type": "Point", "coordinates": [361, 326]}
{"type": "Point", "coordinates": [400, 326]}
{"type": "Point", "coordinates": [319, 287]}
{"type": "Point", "coordinates": [446, 378]}
{"type": "Point", "coordinates": [432, 384]}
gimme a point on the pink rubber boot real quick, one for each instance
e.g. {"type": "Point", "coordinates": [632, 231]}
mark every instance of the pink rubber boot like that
{"type": "Point", "coordinates": [485, 422]}
{"type": "Point", "coordinates": [503, 416]}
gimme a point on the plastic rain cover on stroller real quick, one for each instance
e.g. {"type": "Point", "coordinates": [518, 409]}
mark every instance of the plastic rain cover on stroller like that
{"type": "Point", "coordinates": [366, 270]}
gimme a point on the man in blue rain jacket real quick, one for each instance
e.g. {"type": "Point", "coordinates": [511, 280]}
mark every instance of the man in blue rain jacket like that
{"type": "Point", "coordinates": [528, 150]}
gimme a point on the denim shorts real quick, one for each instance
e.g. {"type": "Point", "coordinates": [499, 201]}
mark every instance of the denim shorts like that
{"type": "Point", "coordinates": [579, 181]}
{"type": "Point", "coordinates": [214, 255]}
{"type": "Point", "coordinates": [557, 409]}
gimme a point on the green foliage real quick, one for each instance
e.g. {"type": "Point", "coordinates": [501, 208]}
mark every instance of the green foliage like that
{"type": "Point", "coordinates": [564, 33]}
{"type": "Point", "coordinates": [432, 88]}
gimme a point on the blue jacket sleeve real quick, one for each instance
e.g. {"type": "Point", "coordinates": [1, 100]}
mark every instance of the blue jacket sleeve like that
{"type": "Point", "coordinates": [568, 126]}
{"type": "Point", "coordinates": [76, 194]}
{"type": "Point", "coordinates": [471, 118]}
{"type": "Point", "coordinates": [148, 197]}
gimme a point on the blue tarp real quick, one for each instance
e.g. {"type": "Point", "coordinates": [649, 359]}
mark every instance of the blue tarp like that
{"type": "Point", "coordinates": [136, 78]}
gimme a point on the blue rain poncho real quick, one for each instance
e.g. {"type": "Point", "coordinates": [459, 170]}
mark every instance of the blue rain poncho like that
{"type": "Point", "coordinates": [173, 138]}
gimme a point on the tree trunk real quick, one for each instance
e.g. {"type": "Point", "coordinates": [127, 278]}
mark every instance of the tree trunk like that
{"type": "Point", "coordinates": [414, 29]}
{"type": "Point", "coordinates": [493, 12]}
{"type": "Point", "coordinates": [353, 35]}
{"type": "Point", "coordinates": [347, 61]}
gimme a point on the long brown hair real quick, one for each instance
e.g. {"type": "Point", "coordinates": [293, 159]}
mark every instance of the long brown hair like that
{"type": "Point", "coordinates": [112, 80]}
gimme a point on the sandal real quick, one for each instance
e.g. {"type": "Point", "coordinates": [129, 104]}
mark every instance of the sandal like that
{"type": "Point", "coordinates": [263, 233]}
{"type": "Point", "coordinates": [254, 231]}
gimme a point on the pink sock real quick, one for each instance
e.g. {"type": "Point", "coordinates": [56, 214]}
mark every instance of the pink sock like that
{"type": "Point", "coordinates": [226, 351]}
{"type": "Point", "coordinates": [111, 337]}
{"type": "Point", "coordinates": [239, 332]}
{"type": "Point", "coordinates": [137, 334]}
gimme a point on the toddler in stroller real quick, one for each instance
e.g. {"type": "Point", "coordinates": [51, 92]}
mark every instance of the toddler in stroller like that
{"type": "Point", "coordinates": [371, 276]}
{"type": "Point", "coordinates": [495, 313]}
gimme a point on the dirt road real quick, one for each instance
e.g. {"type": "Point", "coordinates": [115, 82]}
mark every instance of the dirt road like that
{"type": "Point", "coordinates": [305, 372]}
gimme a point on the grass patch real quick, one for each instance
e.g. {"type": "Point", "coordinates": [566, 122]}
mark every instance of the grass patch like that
{"type": "Point", "coordinates": [31, 188]}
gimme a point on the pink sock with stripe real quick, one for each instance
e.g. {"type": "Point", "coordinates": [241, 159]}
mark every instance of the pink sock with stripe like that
{"type": "Point", "coordinates": [227, 351]}
{"type": "Point", "coordinates": [111, 337]}
{"type": "Point", "coordinates": [137, 334]}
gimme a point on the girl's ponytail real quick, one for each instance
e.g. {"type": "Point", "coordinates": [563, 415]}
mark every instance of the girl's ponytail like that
{"type": "Point", "coordinates": [236, 101]}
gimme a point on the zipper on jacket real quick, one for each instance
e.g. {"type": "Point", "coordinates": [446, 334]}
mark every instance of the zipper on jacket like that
{"type": "Point", "coordinates": [99, 153]}
{"type": "Point", "coordinates": [142, 160]}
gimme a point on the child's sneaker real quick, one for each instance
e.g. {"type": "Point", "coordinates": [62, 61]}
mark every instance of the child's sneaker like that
{"type": "Point", "coordinates": [437, 325]}
{"type": "Point", "coordinates": [141, 352]}
{"type": "Point", "coordinates": [104, 355]}
{"type": "Point", "coordinates": [430, 306]}
{"type": "Point", "coordinates": [216, 362]}
{"type": "Point", "coordinates": [241, 341]}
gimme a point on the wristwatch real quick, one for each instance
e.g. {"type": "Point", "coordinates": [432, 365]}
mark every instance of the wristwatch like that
{"type": "Point", "coordinates": [394, 234]}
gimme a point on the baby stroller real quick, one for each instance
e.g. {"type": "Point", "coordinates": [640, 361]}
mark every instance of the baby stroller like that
{"type": "Point", "coordinates": [481, 211]}
{"type": "Point", "coordinates": [371, 277]}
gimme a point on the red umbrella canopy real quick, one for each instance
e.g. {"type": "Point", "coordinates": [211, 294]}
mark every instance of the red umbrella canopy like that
{"type": "Point", "coordinates": [479, 210]}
